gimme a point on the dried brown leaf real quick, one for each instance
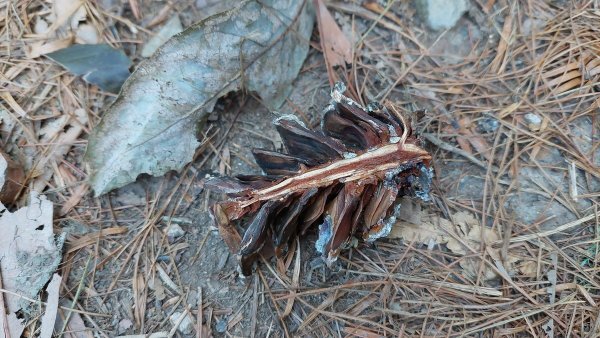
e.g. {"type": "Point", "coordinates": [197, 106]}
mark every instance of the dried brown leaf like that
{"type": "Point", "coordinates": [336, 46]}
{"type": "Point", "coordinates": [12, 178]}
{"type": "Point", "coordinates": [476, 140]}
{"type": "Point", "coordinates": [62, 143]}
{"type": "Point", "coordinates": [42, 48]}
{"type": "Point", "coordinates": [463, 236]}
{"type": "Point", "coordinates": [499, 63]}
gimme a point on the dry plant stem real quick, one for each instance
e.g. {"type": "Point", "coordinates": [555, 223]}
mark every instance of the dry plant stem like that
{"type": "Point", "coordinates": [347, 318]}
{"type": "Point", "coordinates": [77, 293]}
{"type": "Point", "coordinates": [67, 309]}
{"type": "Point", "coordinates": [3, 309]}
{"type": "Point", "coordinates": [376, 22]}
{"type": "Point", "coordinates": [448, 147]}
{"type": "Point", "coordinates": [339, 293]}
{"type": "Point", "coordinates": [169, 314]}
{"type": "Point", "coordinates": [584, 274]}
{"type": "Point", "coordinates": [266, 285]}
{"type": "Point", "coordinates": [254, 308]}
{"type": "Point", "coordinates": [200, 316]}
{"type": "Point", "coordinates": [90, 319]}
{"type": "Point", "coordinates": [147, 227]}
{"type": "Point", "coordinates": [314, 314]}
{"type": "Point", "coordinates": [147, 231]}
{"type": "Point", "coordinates": [139, 303]}
{"type": "Point", "coordinates": [295, 280]}
{"type": "Point", "coordinates": [178, 322]}
{"type": "Point", "coordinates": [556, 230]}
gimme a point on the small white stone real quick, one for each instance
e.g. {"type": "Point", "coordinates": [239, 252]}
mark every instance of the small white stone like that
{"type": "Point", "coordinates": [175, 231]}
{"type": "Point", "coordinates": [124, 325]}
{"type": "Point", "coordinates": [534, 122]}
{"type": "Point", "coordinates": [442, 14]}
{"type": "Point", "coordinates": [41, 26]}
{"type": "Point", "coordinates": [186, 326]}
{"type": "Point", "coordinates": [87, 34]}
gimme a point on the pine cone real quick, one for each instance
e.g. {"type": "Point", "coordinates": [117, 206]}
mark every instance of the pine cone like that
{"type": "Point", "coordinates": [346, 178]}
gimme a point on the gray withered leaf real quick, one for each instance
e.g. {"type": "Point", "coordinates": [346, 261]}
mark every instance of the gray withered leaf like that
{"type": "Point", "coordinates": [151, 127]}
{"type": "Point", "coordinates": [100, 65]}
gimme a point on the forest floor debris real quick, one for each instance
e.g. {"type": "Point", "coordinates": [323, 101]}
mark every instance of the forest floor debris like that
{"type": "Point", "coordinates": [506, 189]}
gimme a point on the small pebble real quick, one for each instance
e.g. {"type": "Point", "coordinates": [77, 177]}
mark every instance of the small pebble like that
{"type": "Point", "coordinates": [221, 325]}
{"type": "Point", "coordinates": [175, 231]}
{"type": "Point", "coordinates": [124, 325]}
{"type": "Point", "coordinates": [186, 326]}
{"type": "Point", "coordinates": [442, 14]}
{"type": "Point", "coordinates": [534, 122]}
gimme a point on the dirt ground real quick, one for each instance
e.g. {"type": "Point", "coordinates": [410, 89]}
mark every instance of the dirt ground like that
{"type": "Point", "coordinates": [507, 246]}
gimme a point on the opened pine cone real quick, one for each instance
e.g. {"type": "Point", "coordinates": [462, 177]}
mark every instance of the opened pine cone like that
{"type": "Point", "coordinates": [345, 178]}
